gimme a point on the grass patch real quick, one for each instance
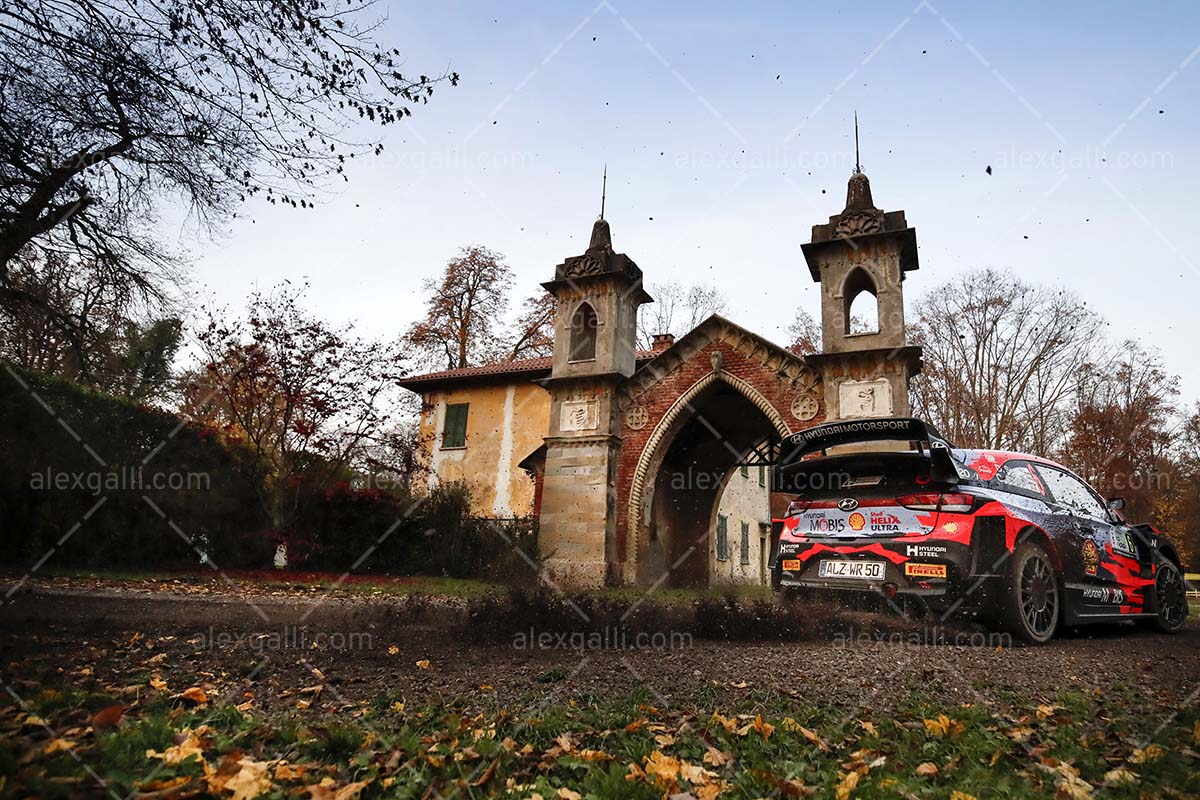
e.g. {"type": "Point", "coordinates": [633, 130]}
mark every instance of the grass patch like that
{"type": "Point", "coordinates": [765, 745]}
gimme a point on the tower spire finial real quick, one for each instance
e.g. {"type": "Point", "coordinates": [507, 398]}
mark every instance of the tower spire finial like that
{"type": "Point", "coordinates": [603, 190]}
{"type": "Point", "coordinates": [857, 161]}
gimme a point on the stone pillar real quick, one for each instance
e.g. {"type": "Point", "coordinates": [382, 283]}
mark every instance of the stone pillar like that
{"type": "Point", "coordinates": [597, 294]}
{"type": "Point", "coordinates": [864, 249]}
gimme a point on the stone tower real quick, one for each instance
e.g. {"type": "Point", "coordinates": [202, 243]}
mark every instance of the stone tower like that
{"type": "Point", "coordinates": [864, 249]}
{"type": "Point", "coordinates": [595, 341]}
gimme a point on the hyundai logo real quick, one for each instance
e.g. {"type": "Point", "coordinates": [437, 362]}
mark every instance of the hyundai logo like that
{"type": "Point", "coordinates": [847, 504]}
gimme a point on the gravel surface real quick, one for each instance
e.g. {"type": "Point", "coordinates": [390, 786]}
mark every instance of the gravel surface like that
{"type": "Point", "coordinates": [274, 647]}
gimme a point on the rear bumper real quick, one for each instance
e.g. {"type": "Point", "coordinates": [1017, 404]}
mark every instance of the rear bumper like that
{"type": "Point", "coordinates": [912, 566]}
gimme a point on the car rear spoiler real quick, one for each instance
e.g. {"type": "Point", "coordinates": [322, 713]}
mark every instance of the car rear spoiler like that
{"type": "Point", "coordinates": [800, 446]}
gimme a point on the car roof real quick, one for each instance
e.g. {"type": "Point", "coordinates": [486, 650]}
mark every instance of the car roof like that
{"type": "Point", "coordinates": [987, 462]}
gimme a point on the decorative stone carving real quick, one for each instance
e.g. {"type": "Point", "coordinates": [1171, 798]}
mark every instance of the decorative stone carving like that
{"type": "Point", "coordinates": [865, 398]}
{"type": "Point", "coordinates": [857, 223]}
{"type": "Point", "coordinates": [717, 359]}
{"type": "Point", "coordinates": [586, 264]}
{"type": "Point", "coordinates": [579, 415]}
{"type": "Point", "coordinates": [636, 418]}
{"type": "Point", "coordinates": [805, 406]}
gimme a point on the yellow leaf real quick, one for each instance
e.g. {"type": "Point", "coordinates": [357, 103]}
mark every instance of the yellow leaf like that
{"type": "Point", "coordinates": [195, 695]}
{"type": "Point", "coordinates": [191, 745]}
{"type": "Point", "coordinates": [57, 746]}
{"type": "Point", "coordinates": [1069, 785]}
{"type": "Point", "coordinates": [1151, 754]}
{"type": "Point", "coordinates": [290, 772]}
{"type": "Point", "coordinates": [664, 740]}
{"type": "Point", "coordinates": [708, 791]}
{"type": "Point", "coordinates": [717, 758]}
{"type": "Point", "coordinates": [764, 728]}
{"type": "Point", "coordinates": [158, 683]}
{"type": "Point", "coordinates": [423, 663]}
{"type": "Point", "coordinates": [694, 773]}
{"type": "Point", "coordinates": [869, 727]}
{"type": "Point", "coordinates": [926, 770]}
{"type": "Point", "coordinates": [250, 781]}
{"type": "Point", "coordinates": [957, 795]}
{"type": "Point", "coordinates": [846, 786]}
{"type": "Point", "coordinates": [730, 725]}
{"type": "Point", "coordinates": [393, 650]}
{"type": "Point", "coordinates": [1045, 711]}
{"type": "Point", "coordinates": [664, 768]}
{"type": "Point", "coordinates": [568, 794]}
{"type": "Point", "coordinates": [1120, 775]}
{"type": "Point", "coordinates": [398, 707]}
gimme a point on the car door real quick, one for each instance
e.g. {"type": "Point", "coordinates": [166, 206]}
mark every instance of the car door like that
{"type": "Point", "coordinates": [1092, 572]}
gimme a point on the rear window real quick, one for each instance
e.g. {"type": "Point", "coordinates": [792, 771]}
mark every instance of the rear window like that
{"type": "Point", "coordinates": [857, 474]}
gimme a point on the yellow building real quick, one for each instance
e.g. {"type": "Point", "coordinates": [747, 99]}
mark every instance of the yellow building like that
{"type": "Point", "coordinates": [478, 425]}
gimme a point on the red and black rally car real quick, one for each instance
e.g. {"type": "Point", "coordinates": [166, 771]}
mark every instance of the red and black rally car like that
{"type": "Point", "coordinates": [889, 507]}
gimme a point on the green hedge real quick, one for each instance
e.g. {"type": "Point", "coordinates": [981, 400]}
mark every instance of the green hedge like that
{"type": "Point", "coordinates": [75, 480]}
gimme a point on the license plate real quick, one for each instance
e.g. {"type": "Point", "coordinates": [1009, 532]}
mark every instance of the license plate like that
{"type": "Point", "coordinates": [857, 570]}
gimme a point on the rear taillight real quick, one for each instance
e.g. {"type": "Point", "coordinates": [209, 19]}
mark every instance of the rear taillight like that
{"type": "Point", "coordinates": [957, 503]}
{"type": "Point", "coordinates": [797, 507]}
{"type": "Point", "coordinates": [926, 501]}
{"type": "Point", "coordinates": [954, 502]}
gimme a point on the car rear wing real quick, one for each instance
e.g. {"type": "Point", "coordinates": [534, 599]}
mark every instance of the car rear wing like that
{"type": "Point", "coordinates": [800, 450]}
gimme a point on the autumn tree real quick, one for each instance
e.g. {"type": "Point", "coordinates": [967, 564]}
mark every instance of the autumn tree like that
{"type": "Point", "coordinates": [804, 333]}
{"type": "Point", "coordinates": [533, 333]}
{"type": "Point", "coordinates": [1121, 431]}
{"type": "Point", "coordinates": [464, 314]}
{"type": "Point", "coordinates": [108, 110]}
{"type": "Point", "coordinates": [306, 398]}
{"type": "Point", "coordinates": [677, 308]}
{"type": "Point", "coordinates": [1001, 360]}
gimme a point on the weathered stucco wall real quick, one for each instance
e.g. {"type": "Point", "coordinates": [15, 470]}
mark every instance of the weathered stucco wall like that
{"type": "Point", "coordinates": [505, 423]}
{"type": "Point", "coordinates": [744, 500]}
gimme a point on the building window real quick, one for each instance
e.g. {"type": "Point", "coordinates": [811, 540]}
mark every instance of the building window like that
{"type": "Point", "coordinates": [722, 538]}
{"type": "Point", "coordinates": [762, 475]}
{"type": "Point", "coordinates": [745, 543]}
{"type": "Point", "coordinates": [454, 429]}
{"type": "Point", "coordinates": [583, 333]}
{"type": "Point", "coordinates": [745, 471]}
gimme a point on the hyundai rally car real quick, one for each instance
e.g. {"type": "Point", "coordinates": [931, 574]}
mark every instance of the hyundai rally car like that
{"type": "Point", "coordinates": [889, 508]}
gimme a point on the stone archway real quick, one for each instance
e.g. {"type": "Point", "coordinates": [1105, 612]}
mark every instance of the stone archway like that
{"type": "Point", "coordinates": [682, 470]}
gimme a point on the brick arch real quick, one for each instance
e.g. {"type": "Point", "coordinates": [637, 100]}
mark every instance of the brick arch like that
{"type": "Point", "coordinates": [658, 440]}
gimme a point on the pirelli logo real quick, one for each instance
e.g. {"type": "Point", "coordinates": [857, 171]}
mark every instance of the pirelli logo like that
{"type": "Point", "coordinates": [925, 570]}
{"type": "Point", "coordinates": [791, 564]}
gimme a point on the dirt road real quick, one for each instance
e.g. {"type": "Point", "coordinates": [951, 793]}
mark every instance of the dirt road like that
{"type": "Point", "coordinates": [360, 648]}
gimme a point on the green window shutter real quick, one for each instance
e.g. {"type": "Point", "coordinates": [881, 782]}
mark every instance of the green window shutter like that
{"type": "Point", "coordinates": [762, 475]}
{"type": "Point", "coordinates": [745, 472]}
{"type": "Point", "coordinates": [722, 538]}
{"type": "Point", "coordinates": [745, 542]}
{"type": "Point", "coordinates": [454, 430]}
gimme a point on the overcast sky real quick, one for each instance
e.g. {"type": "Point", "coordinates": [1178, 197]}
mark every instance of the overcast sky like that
{"type": "Point", "coordinates": [727, 131]}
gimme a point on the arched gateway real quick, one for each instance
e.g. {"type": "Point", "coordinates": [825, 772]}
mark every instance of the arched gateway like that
{"type": "Point", "coordinates": [630, 450]}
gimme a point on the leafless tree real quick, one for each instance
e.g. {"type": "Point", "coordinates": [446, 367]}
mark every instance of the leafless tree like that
{"type": "Point", "coordinates": [464, 316]}
{"type": "Point", "coordinates": [805, 333]}
{"type": "Point", "coordinates": [677, 309]}
{"type": "Point", "coordinates": [1002, 358]}
{"type": "Point", "coordinates": [109, 108]}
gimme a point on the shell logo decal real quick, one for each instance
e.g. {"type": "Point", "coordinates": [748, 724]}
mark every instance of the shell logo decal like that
{"type": "Point", "coordinates": [857, 521]}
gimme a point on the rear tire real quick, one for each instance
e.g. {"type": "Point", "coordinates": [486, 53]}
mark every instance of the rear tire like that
{"type": "Point", "coordinates": [1032, 605]}
{"type": "Point", "coordinates": [1171, 599]}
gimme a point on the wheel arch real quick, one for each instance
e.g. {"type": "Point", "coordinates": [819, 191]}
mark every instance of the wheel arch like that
{"type": "Point", "coordinates": [1168, 550]}
{"type": "Point", "coordinates": [1038, 536]}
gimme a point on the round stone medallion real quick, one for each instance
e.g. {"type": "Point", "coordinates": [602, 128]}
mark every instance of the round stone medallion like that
{"type": "Point", "coordinates": [805, 406]}
{"type": "Point", "coordinates": [636, 418]}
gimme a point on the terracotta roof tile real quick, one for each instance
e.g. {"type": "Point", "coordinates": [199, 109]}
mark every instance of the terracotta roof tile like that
{"type": "Point", "coordinates": [499, 368]}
